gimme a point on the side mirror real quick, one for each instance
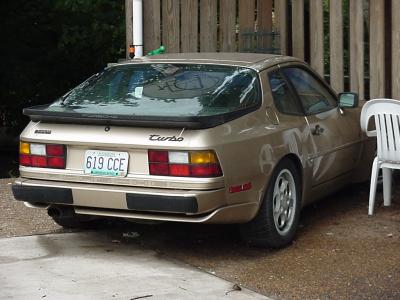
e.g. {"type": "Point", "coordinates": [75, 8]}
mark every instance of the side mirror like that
{"type": "Point", "coordinates": [348, 100]}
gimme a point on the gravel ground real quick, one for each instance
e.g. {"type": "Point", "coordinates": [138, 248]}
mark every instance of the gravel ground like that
{"type": "Point", "coordinates": [16, 219]}
{"type": "Point", "coordinates": [8, 163]}
{"type": "Point", "coordinates": [339, 252]}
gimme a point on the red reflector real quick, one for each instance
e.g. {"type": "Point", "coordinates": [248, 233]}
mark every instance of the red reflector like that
{"type": "Point", "coordinates": [246, 186]}
{"type": "Point", "coordinates": [25, 160]}
{"type": "Point", "coordinates": [179, 170]}
{"type": "Point", "coordinates": [240, 188]}
{"type": "Point", "coordinates": [56, 162]}
{"type": "Point", "coordinates": [55, 150]}
{"type": "Point", "coordinates": [158, 156]}
{"type": "Point", "coordinates": [205, 170]}
{"type": "Point", "coordinates": [235, 189]}
{"type": "Point", "coordinates": [39, 161]}
{"type": "Point", "coordinates": [159, 169]}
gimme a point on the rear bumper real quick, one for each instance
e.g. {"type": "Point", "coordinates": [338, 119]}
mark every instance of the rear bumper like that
{"type": "Point", "coordinates": [140, 203]}
{"type": "Point", "coordinates": [42, 194]}
{"type": "Point", "coordinates": [134, 201]}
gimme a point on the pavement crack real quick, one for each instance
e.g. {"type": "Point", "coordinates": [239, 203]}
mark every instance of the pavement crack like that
{"type": "Point", "coordinates": [141, 297]}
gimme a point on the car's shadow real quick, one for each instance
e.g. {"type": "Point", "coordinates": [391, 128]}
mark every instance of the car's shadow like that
{"type": "Point", "coordinates": [221, 240]}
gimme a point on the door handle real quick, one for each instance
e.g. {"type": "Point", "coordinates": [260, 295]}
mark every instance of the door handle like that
{"type": "Point", "coordinates": [318, 130]}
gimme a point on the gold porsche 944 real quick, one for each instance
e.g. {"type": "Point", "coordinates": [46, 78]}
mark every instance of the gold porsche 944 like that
{"type": "Point", "coordinates": [203, 138]}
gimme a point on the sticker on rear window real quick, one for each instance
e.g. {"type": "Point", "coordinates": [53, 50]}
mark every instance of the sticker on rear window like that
{"type": "Point", "coordinates": [138, 92]}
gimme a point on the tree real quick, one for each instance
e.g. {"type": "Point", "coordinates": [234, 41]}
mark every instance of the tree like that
{"type": "Point", "coordinates": [49, 46]}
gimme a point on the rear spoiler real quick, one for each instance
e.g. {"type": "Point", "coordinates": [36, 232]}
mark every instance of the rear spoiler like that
{"type": "Point", "coordinates": [40, 113]}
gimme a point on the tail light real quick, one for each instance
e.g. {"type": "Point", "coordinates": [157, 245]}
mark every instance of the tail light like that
{"type": "Point", "coordinates": [42, 155]}
{"type": "Point", "coordinates": [184, 163]}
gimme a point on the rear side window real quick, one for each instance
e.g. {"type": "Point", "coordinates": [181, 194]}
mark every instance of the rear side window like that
{"type": "Point", "coordinates": [314, 96]}
{"type": "Point", "coordinates": [283, 97]}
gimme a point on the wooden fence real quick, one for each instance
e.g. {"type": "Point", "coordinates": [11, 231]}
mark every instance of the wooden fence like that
{"type": "Point", "coordinates": [359, 51]}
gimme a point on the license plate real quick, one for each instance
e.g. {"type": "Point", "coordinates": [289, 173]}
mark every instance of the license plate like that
{"type": "Point", "coordinates": [107, 163]}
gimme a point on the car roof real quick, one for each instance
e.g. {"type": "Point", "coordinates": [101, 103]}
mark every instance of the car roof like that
{"type": "Point", "coordinates": [256, 61]}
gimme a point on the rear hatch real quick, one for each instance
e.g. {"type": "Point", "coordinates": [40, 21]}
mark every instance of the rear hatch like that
{"type": "Point", "coordinates": [128, 111]}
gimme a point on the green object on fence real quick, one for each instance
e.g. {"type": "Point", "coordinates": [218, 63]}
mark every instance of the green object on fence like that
{"type": "Point", "coordinates": [157, 51]}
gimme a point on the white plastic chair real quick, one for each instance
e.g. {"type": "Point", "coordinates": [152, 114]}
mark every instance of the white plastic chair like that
{"type": "Point", "coordinates": [387, 123]}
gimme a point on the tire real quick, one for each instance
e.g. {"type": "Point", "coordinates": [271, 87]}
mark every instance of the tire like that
{"type": "Point", "coordinates": [276, 230]}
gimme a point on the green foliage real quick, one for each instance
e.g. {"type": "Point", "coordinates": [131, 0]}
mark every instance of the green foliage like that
{"type": "Point", "coordinates": [49, 46]}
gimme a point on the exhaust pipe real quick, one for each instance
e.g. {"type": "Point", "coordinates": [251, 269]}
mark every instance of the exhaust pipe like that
{"type": "Point", "coordinates": [54, 212]}
{"type": "Point", "coordinates": [60, 212]}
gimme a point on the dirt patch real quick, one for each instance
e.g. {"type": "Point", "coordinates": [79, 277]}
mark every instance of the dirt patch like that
{"type": "Point", "coordinates": [339, 252]}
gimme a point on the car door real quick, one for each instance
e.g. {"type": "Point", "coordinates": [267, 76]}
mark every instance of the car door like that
{"type": "Point", "coordinates": [334, 148]}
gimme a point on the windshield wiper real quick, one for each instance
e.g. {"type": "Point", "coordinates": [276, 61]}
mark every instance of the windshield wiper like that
{"type": "Point", "coordinates": [64, 97]}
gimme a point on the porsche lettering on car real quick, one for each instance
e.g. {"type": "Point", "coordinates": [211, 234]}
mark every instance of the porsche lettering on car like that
{"type": "Point", "coordinates": [203, 138]}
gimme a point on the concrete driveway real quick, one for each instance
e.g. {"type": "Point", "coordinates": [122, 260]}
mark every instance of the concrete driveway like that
{"type": "Point", "coordinates": [340, 252]}
{"type": "Point", "coordinates": [92, 266]}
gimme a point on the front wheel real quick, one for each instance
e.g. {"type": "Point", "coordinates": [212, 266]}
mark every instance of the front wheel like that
{"type": "Point", "coordinates": [276, 223]}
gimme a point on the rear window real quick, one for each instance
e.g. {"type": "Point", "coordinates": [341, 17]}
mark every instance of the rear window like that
{"type": "Point", "coordinates": [180, 90]}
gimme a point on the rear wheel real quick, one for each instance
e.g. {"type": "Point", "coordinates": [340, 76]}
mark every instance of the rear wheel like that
{"type": "Point", "coordinates": [276, 223]}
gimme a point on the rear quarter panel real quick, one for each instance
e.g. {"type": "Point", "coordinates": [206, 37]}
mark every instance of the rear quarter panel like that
{"type": "Point", "coordinates": [250, 147]}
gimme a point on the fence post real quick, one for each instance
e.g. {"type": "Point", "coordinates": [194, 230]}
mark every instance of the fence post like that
{"type": "Point", "coordinates": [151, 25]}
{"type": "Point", "coordinates": [396, 49]}
{"type": "Point", "coordinates": [189, 22]}
{"type": "Point", "coordinates": [246, 24]}
{"type": "Point", "coordinates": [356, 45]}
{"type": "Point", "coordinates": [208, 25]}
{"type": "Point", "coordinates": [298, 28]}
{"type": "Point", "coordinates": [376, 48]}
{"type": "Point", "coordinates": [128, 26]}
{"type": "Point", "coordinates": [264, 25]}
{"type": "Point", "coordinates": [280, 10]}
{"type": "Point", "coordinates": [170, 19]}
{"type": "Point", "coordinates": [317, 36]}
{"type": "Point", "coordinates": [336, 44]}
{"type": "Point", "coordinates": [227, 25]}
